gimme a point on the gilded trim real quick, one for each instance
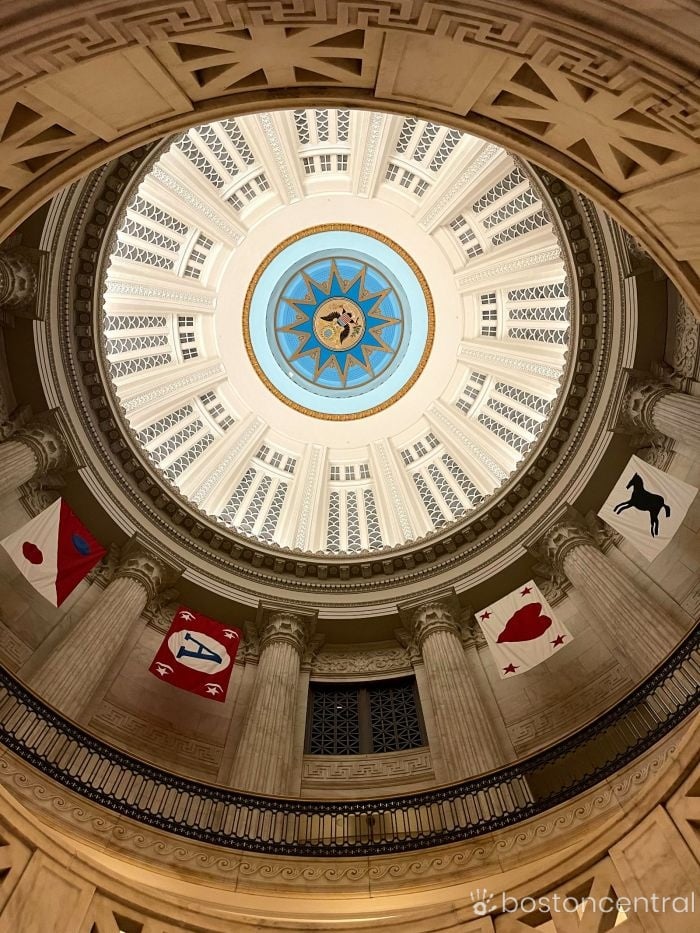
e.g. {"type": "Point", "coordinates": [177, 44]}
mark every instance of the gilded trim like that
{"type": "Point", "coordinates": [351, 228]}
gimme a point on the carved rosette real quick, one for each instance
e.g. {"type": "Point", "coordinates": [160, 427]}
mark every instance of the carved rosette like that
{"type": "Point", "coordinates": [559, 540]}
{"type": "Point", "coordinates": [151, 571]}
{"type": "Point", "coordinates": [285, 626]}
{"type": "Point", "coordinates": [18, 278]}
{"type": "Point", "coordinates": [46, 444]}
{"type": "Point", "coordinates": [642, 394]}
{"type": "Point", "coordinates": [432, 618]}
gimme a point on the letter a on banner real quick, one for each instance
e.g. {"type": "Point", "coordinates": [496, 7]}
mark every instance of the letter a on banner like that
{"type": "Point", "coordinates": [197, 654]}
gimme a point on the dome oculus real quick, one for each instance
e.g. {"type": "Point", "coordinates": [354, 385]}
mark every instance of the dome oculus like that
{"type": "Point", "coordinates": [338, 322]}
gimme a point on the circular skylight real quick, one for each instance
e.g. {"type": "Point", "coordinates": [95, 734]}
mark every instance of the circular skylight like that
{"type": "Point", "coordinates": [335, 331]}
{"type": "Point", "coordinates": [339, 322]}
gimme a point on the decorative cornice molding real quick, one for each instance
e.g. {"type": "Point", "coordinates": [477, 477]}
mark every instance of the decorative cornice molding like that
{"type": "Point", "coordinates": [494, 272]}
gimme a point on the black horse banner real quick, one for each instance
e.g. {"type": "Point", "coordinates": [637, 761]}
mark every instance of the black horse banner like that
{"type": "Point", "coordinates": [647, 506]}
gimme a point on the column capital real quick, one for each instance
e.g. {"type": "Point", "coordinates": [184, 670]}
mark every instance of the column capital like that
{"type": "Point", "coordinates": [19, 279]}
{"type": "Point", "coordinates": [642, 392]}
{"type": "Point", "coordinates": [431, 618]}
{"type": "Point", "coordinates": [561, 538]}
{"type": "Point", "coordinates": [149, 569]}
{"type": "Point", "coordinates": [285, 625]}
{"type": "Point", "coordinates": [46, 443]}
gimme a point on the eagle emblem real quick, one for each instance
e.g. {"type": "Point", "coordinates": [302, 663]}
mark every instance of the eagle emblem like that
{"type": "Point", "coordinates": [345, 320]}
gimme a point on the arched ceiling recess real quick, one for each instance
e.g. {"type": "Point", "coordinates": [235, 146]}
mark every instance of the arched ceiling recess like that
{"type": "Point", "coordinates": [610, 103]}
{"type": "Point", "coordinates": [186, 224]}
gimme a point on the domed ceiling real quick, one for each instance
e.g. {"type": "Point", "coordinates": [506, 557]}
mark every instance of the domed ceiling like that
{"type": "Point", "coordinates": [335, 331]}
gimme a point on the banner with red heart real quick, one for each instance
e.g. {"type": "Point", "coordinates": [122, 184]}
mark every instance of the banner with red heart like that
{"type": "Point", "coordinates": [521, 630]}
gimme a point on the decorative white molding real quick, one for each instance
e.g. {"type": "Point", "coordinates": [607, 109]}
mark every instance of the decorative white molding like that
{"type": "Point", "coordinates": [268, 128]}
{"type": "Point", "coordinates": [171, 388]}
{"type": "Point", "coordinates": [189, 197]}
{"type": "Point", "coordinates": [451, 196]}
{"type": "Point", "coordinates": [351, 661]}
{"type": "Point", "coordinates": [202, 492]}
{"type": "Point", "coordinates": [397, 499]}
{"type": "Point", "coordinates": [511, 362]}
{"type": "Point", "coordinates": [183, 296]}
{"type": "Point", "coordinates": [540, 258]}
{"type": "Point", "coordinates": [307, 499]}
{"type": "Point", "coordinates": [369, 157]}
{"type": "Point", "coordinates": [491, 465]}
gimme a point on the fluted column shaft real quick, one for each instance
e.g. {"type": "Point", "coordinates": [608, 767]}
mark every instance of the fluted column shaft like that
{"type": "Point", "coordinates": [639, 628]}
{"type": "Point", "coordinates": [68, 677]}
{"type": "Point", "coordinates": [468, 742]}
{"type": "Point", "coordinates": [678, 416]}
{"type": "Point", "coordinates": [263, 757]}
{"type": "Point", "coordinates": [80, 661]}
{"type": "Point", "coordinates": [18, 464]}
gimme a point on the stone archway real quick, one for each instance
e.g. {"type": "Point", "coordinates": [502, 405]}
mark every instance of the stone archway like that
{"type": "Point", "coordinates": [609, 103]}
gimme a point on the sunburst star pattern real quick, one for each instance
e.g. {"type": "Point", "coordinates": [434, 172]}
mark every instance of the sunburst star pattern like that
{"type": "Point", "coordinates": [339, 323]}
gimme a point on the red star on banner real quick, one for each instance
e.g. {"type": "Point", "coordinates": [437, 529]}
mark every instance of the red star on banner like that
{"type": "Point", "coordinates": [526, 590]}
{"type": "Point", "coordinates": [511, 669]}
{"type": "Point", "coordinates": [559, 640]}
{"type": "Point", "coordinates": [485, 615]}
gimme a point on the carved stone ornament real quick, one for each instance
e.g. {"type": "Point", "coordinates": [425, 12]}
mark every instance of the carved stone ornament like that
{"type": "Point", "coordinates": [285, 626]}
{"type": "Point", "coordinates": [103, 573]}
{"type": "Point", "coordinates": [642, 393]}
{"type": "Point", "coordinates": [358, 660]}
{"type": "Point", "coordinates": [38, 494]}
{"type": "Point", "coordinates": [46, 443]}
{"type": "Point", "coordinates": [19, 278]}
{"type": "Point", "coordinates": [161, 609]}
{"type": "Point", "coordinates": [569, 533]}
{"type": "Point", "coordinates": [151, 571]}
{"type": "Point", "coordinates": [432, 618]}
{"type": "Point", "coordinates": [686, 345]}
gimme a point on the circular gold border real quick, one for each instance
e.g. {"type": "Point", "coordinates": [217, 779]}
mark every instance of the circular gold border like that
{"type": "Point", "coordinates": [351, 228]}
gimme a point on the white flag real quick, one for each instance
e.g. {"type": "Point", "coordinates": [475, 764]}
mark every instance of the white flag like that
{"type": "Point", "coordinates": [647, 506]}
{"type": "Point", "coordinates": [521, 630]}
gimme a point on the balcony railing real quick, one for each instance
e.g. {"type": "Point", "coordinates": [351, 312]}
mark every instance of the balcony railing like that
{"type": "Point", "coordinates": [283, 826]}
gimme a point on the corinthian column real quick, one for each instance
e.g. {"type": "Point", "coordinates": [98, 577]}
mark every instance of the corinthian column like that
{"type": "Point", "coordinates": [264, 756]}
{"type": "Point", "coordinates": [34, 450]}
{"type": "Point", "coordinates": [83, 657]}
{"type": "Point", "coordinates": [651, 406]}
{"type": "Point", "coordinates": [463, 722]}
{"type": "Point", "coordinates": [640, 630]}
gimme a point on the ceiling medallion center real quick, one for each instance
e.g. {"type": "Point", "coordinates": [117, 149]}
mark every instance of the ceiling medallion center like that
{"type": "Point", "coordinates": [339, 324]}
